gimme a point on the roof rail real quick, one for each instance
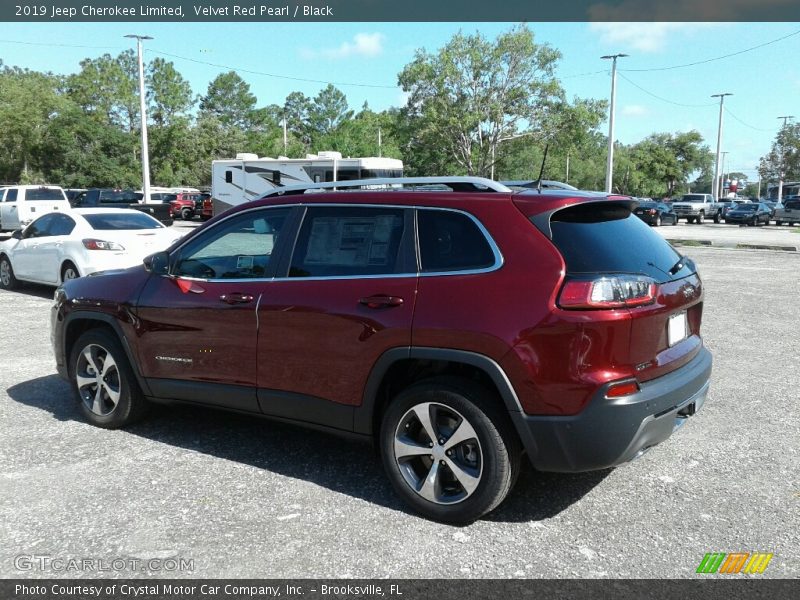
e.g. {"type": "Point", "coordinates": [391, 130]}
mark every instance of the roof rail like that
{"type": "Point", "coordinates": [456, 184]}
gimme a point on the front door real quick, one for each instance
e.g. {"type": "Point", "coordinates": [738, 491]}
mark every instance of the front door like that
{"type": "Point", "coordinates": [198, 326]}
{"type": "Point", "coordinates": [347, 296]}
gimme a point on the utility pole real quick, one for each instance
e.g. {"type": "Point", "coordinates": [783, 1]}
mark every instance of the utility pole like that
{"type": "Point", "coordinates": [783, 154]}
{"type": "Point", "coordinates": [722, 173]}
{"type": "Point", "coordinates": [285, 141]}
{"type": "Point", "coordinates": [143, 115]}
{"type": "Point", "coordinates": [566, 179]}
{"type": "Point", "coordinates": [715, 188]}
{"type": "Point", "coordinates": [380, 143]}
{"type": "Point", "coordinates": [610, 163]}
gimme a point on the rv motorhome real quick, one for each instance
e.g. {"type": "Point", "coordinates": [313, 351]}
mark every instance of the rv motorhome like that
{"type": "Point", "coordinates": [248, 177]}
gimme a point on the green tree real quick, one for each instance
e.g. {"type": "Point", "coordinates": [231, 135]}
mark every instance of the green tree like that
{"type": "Point", "coordinates": [783, 157]}
{"type": "Point", "coordinates": [229, 100]}
{"type": "Point", "coordinates": [328, 111]}
{"type": "Point", "coordinates": [473, 93]}
{"type": "Point", "coordinates": [169, 94]}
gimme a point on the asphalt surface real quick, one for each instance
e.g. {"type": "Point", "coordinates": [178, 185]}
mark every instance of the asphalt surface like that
{"type": "Point", "coordinates": [242, 497]}
{"type": "Point", "coordinates": [723, 235]}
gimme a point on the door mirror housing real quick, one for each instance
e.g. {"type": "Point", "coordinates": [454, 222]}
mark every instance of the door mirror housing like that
{"type": "Point", "coordinates": [157, 263]}
{"type": "Point", "coordinates": [17, 234]}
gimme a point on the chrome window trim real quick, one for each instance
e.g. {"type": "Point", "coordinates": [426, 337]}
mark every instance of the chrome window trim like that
{"type": "Point", "coordinates": [499, 260]}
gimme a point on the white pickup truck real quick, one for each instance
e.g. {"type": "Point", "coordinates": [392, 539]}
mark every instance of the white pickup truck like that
{"type": "Point", "coordinates": [696, 208]}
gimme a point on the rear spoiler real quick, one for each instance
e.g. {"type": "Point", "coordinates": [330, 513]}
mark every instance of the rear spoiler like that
{"type": "Point", "coordinates": [587, 211]}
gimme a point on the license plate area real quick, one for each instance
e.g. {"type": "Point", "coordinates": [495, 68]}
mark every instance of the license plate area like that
{"type": "Point", "coordinates": [677, 328]}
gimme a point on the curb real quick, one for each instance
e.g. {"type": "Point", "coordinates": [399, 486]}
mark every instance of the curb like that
{"type": "Point", "coordinates": [732, 246]}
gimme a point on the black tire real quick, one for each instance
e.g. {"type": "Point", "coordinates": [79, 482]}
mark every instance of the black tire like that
{"type": "Point", "coordinates": [658, 221]}
{"type": "Point", "coordinates": [675, 222]}
{"type": "Point", "coordinates": [716, 218]}
{"type": "Point", "coordinates": [69, 271]}
{"type": "Point", "coordinates": [187, 214]}
{"type": "Point", "coordinates": [7, 279]}
{"type": "Point", "coordinates": [699, 219]}
{"type": "Point", "coordinates": [97, 401]}
{"type": "Point", "coordinates": [493, 452]}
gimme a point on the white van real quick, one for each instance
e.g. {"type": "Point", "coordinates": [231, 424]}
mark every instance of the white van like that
{"type": "Point", "coordinates": [21, 204]}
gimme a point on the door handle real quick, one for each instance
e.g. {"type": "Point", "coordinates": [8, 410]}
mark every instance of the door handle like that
{"type": "Point", "coordinates": [381, 301]}
{"type": "Point", "coordinates": [236, 298]}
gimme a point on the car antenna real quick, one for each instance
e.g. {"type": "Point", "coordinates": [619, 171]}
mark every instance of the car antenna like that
{"type": "Point", "coordinates": [541, 171]}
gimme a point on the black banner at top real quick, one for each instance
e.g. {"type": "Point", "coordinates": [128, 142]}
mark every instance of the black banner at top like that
{"type": "Point", "coordinates": [394, 10]}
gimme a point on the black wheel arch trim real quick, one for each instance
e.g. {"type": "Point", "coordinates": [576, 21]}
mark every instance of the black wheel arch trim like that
{"type": "Point", "coordinates": [364, 414]}
{"type": "Point", "coordinates": [112, 322]}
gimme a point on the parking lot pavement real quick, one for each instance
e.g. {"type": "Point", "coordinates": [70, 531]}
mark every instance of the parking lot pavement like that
{"type": "Point", "coordinates": [246, 498]}
{"type": "Point", "coordinates": [729, 236]}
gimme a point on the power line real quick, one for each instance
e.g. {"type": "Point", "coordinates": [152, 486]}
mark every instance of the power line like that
{"type": "Point", "coordinates": [747, 124]}
{"type": "Point", "coordinates": [708, 60]}
{"type": "Point", "coordinates": [51, 44]}
{"type": "Point", "coordinates": [636, 85]}
{"type": "Point", "coordinates": [584, 74]}
{"type": "Point", "coordinates": [275, 75]}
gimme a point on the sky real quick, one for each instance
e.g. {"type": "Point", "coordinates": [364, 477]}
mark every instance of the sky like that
{"type": "Point", "coordinates": [363, 60]}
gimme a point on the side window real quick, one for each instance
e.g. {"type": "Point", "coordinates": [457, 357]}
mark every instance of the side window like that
{"type": "Point", "coordinates": [11, 196]}
{"type": "Point", "coordinates": [80, 199]}
{"type": "Point", "coordinates": [451, 241]}
{"type": "Point", "coordinates": [61, 225]}
{"type": "Point", "coordinates": [349, 242]}
{"type": "Point", "coordinates": [40, 227]}
{"type": "Point", "coordinates": [239, 248]}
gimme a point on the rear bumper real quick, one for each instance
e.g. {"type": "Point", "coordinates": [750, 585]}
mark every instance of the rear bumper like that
{"type": "Point", "coordinates": [610, 432]}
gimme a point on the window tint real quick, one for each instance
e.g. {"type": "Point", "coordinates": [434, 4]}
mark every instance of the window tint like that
{"type": "Point", "coordinates": [792, 204]}
{"type": "Point", "coordinates": [349, 241]}
{"type": "Point", "coordinates": [121, 220]}
{"type": "Point", "coordinates": [238, 248]}
{"type": "Point", "coordinates": [451, 241]}
{"type": "Point", "coordinates": [40, 227]}
{"type": "Point", "coordinates": [61, 225]}
{"type": "Point", "coordinates": [607, 238]}
{"type": "Point", "coordinates": [117, 197]}
{"type": "Point", "coordinates": [11, 196]}
{"type": "Point", "coordinates": [44, 194]}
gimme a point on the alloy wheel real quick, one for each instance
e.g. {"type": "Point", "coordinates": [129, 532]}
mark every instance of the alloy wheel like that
{"type": "Point", "coordinates": [438, 453]}
{"type": "Point", "coordinates": [98, 380]}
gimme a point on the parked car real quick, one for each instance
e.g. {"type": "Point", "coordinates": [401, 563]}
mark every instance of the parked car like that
{"type": "Point", "coordinates": [72, 193]}
{"type": "Point", "coordinates": [187, 206]}
{"type": "Point", "coordinates": [111, 198]}
{"type": "Point", "coordinates": [772, 206]}
{"type": "Point", "coordinates": [695, 208]}
{"type": "Point", "coordinates": [208, 208]}
{"type": "Point", "coordinates": [751, 213]}
{"type": "Point", "coordinates": [59, 246]}
{"type": "Point", "coordinates": [655, 213]}
{"type": "Point", "coordinates": [366, 313]}
{"type": "Point", "coordinates": [790, 213]}
{"type": "Point", "coordinates": [21, 204]}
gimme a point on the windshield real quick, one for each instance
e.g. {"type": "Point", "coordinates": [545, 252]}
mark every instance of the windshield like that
{"type": "Point", "coordinates": [692, 198]}
{"type": "Point", "coordinates": [746, 207]}
{"type": "Point", "coordinates": [121, 220]}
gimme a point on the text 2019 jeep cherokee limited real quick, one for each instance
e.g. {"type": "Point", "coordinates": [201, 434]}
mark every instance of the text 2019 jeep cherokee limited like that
{"type": "Point", "coordinates": [458, 330]}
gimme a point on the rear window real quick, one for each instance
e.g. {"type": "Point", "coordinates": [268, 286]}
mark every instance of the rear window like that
{"type": "Point", "coordinates": [45, 194]}
{"type": "Point", "coordinates": [792, 205]}
{"type": "Point", "coordinates": [451, 241]}
{"type": "Point", "coordinates": [109, 221]}
{"type": "Point", "coordinates": [607, 238]}
{"type": "Point", "coordinates": [746, 207]}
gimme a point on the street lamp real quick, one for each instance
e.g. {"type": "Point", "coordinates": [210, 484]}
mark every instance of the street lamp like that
{"type": "Point", "coordinates": [780, 167]}
{"type": "Point", "coordinates": [610, 163]}
{"type": "Point", "coordinates": [722, 173]}
{"type": "Point", "coordinates": [143, 114]}
{"type": "Point", "coordinates": [716, 187]}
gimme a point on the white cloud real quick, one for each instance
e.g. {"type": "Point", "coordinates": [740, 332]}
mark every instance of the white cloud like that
{"type": "Point", "coordinates": [634, 110]}
{"type": "Point", "coordinates": [363, 44]}
{"type": "Point", "coordinates": [645, 37]}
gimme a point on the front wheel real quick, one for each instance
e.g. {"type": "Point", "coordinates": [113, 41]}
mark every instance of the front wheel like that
{"type": "Point", "coordinates": [187, 214]}
{"type": "Point", "coordinates": [103, 382]}
{"type": "Point", "coordinates": [716, 218]}
{"type": "Point", "coordinates": [700, 218]}
{"type": "Point", "coordinates": [7, 279]}
{"type": "Point", "coordinates": [449, 449]}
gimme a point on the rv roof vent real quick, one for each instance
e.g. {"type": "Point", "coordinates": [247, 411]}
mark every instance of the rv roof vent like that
{"type": "Point", "coordinates": [246, 156]}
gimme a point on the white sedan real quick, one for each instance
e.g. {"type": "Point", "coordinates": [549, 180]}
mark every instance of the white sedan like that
{"type": "Point", "coordinates": [64, 245]}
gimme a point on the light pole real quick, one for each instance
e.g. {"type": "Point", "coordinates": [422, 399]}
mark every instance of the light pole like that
{"type": "Point", "coordinates": [780, 167]}
{"type": "Point", "coordinates": [722, 173]}
{"type": "Point", "coordinates": [715, 186]}
{"type": "Point", "coordinates": [143, 114]}
{"type": "Point", "coordinates": [610, 163]}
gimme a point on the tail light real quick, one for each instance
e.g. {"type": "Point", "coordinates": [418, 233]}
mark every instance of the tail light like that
{"type": "Point", "coordinates": [608, 291]}
{"type": "Point", "coordinates": [652, 211]}
{"type": "Point", "coordinates": [92, 244]}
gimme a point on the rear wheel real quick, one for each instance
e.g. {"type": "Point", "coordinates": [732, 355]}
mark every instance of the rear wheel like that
{"type": "Point", "coordinates": [449, 449]}
{"type": "Point", "coordinates": [7, 279]}
{"type": "Point", "coordinates": [658, 221]}
{"type": "Point", "coordinates": [187, 214]}
{"type": "Point", "coordinates": [69, 271]}
{"type": "Point", "coordinates": [103, 382]}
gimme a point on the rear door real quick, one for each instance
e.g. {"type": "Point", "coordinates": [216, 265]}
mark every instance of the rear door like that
{"type": "Point", "coordinates": [346, 296]}
{"type": "Point", "coordinates": [605, 239]}
{"type": "Point", "coordinates": [9, 218]}
{"type": "Point", "coordinates": [198, 326]}
{"type": "Point", "coordinates": [28, 259]}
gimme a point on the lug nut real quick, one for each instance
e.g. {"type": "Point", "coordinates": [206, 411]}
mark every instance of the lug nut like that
{"type": "Point", "coordinates": [449, 453]}
{"type": "Point", "coordinates": [430, 444]}
{"type": "Point", "coordinates": [441, 442]}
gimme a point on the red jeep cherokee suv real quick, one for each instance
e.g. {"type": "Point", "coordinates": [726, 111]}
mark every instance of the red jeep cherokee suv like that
{"type": "Point", "coordinates": [458, 329]}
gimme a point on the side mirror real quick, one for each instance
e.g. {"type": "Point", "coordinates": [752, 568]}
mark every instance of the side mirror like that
{"type": "Point", "coordinates": [17, 234]}
{"type": "Point", "coordinates": [157, 263]}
